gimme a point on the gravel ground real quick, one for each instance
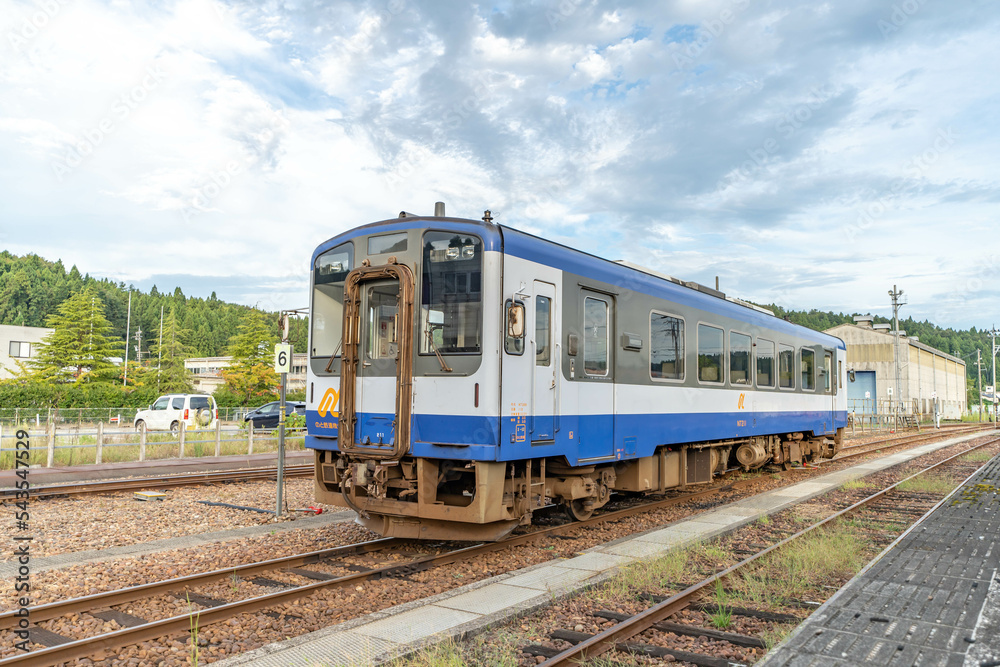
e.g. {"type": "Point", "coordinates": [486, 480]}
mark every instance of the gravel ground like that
{"type": "Point", "coordinates": [65, 525]}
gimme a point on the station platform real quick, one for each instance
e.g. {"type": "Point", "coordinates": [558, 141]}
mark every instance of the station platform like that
{"type": "Point", "coordinates": [931, 598]}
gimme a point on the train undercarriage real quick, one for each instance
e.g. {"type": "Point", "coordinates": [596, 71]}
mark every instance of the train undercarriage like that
{"type": "Point", "coordinates": [439, 499]}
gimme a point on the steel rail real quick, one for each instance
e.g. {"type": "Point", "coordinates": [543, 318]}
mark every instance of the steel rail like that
{"type": "Point", "coordinates": [909, 438]}
{"type": "Point", "coordinates": [163, 481]}
{"type": "Point", "coordinates": [616, 634]}
{"type": "Point", "coordinates": [145, 591]}
{"type": "Point", "coordinates": [130, 636]}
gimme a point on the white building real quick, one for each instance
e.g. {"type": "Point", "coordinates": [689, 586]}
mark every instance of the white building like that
{"type": "Point", "coordinates": [18, 344]}
{"type": "Point", "coordinates": [206, 372]}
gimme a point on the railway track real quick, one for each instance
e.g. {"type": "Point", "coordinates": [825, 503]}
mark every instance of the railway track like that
{"type": "Point", "coordinates": [161, 482]}
{"type": "Point", "coordinates": [889, 507]}
{"type": "Point", "coordinates": [62, 648]}
{"type": "Point", "coordinates": [914, 438]}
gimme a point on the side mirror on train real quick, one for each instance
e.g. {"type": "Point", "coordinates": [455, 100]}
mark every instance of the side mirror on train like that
{"type": "Point", "coordinates": [850, 375]}
{"type": "Point", "coordinates": [572, 343]}
{"type": "Point", "coordinates": [515, 321]}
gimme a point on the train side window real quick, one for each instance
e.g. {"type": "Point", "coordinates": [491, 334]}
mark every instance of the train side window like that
{"type": "Point", "coordinates": [514, 338]}
{"type": "Point", "coordinates": [595, 337]}
{"type": "Point", "coordinates": [739, 358]}
{"type": "Point", "coordinates": [543, 325]}
{"type": "Point", "coordinates": [765, 363]}
{"type": "Point", "coordinates": [808, 360]}
{"type": "Point", "coordinates": [666, 347]}
{"type": "Point", "coordinates": [827, 371]}
{"type": "Point", "coordinates": [786, 367]}
{"type": "Point", "coordinates": [711, 342]}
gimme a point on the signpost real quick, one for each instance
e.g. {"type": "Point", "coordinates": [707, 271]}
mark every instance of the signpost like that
{"type": "Point", "coordinates": [282, 366]}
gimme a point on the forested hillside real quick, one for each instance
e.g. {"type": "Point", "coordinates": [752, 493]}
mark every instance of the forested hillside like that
{"type": "Point", "coordinates": [31, 288]}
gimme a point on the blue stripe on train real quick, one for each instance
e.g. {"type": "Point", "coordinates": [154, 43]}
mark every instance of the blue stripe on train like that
{"type": "Point", "coordinates": [579, 437]}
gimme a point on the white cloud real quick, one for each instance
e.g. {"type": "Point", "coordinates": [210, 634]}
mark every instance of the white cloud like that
{"type": "Point", "coordinates": [272, 128]}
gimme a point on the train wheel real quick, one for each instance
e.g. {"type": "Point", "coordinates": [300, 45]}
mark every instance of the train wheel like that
{"type": "Point", "coordinates": [577, 509]}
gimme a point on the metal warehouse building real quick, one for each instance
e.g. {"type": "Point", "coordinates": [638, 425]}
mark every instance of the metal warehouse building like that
{"type": "Point", "coordinates": [925, 374]}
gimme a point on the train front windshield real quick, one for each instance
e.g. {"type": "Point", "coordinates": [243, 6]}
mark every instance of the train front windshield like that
{"type": "Point", "coordinates": [451, 306]}
{"type": "Point", "coordinates": [329, 274]}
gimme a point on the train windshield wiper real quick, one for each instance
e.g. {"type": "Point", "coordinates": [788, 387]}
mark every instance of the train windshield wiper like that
{"type": "Point", "coordinates": [329, 366]}
{"type": "Point", "coordinates": [430, 339]}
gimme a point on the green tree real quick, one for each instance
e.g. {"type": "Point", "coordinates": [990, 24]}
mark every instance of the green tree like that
{"type": "Point", "coordinates": [169, 354]}
{"type": "Point", "coordinates": [251, 374]}
{"type": "Point", "coordinates": [82, 345]}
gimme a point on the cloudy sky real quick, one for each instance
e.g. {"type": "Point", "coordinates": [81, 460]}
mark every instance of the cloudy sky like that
{"type": "Point", "coordinates": [809, 154]}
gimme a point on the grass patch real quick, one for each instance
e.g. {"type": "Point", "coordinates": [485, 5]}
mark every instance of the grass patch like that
{"type": "Point", "coordinates": [723, 618]}
{"type": "Point", "coordinates": [937, 484]}
{"type": "Point", "coordinates": [789, 573]}
{"type": "Point", "coordinates": [856, 484]}
{"type": "Point", "coordinates": [500, 648]}
{"type": "Point", "coordinates": [660, 574]}
{"type": "Point", "coordinates": [977, 456]}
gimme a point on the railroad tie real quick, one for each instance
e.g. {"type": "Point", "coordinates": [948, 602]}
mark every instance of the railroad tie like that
{"type": "Point", "coordinates": [691, 630]}
{"type": "Point", "coordinates": [47, 637]}
{"type": "Point", "coordinates": [645, 649]}
{"type": "Point", "coordinates": [119, 617]}
{"type": "Point", "coordinates": [310, 574]}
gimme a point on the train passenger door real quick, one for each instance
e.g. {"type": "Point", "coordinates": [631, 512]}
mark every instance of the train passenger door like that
{"type": "Point", "coordinates": [830, 386]}
{"type": "Point", "coordinates": [543, 331]}
{"type": "Point", "coordinates": [594, 360]}
{"type": "Point", "coordinates": [378, 352]}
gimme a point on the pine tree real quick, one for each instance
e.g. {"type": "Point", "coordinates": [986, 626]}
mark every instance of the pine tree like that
{"type": "Point", "coordinates": [169, 354]}
{"type": "Point", "coordinates": [82, 347]}
{"type": "Point", "coordinates": [251, 373]}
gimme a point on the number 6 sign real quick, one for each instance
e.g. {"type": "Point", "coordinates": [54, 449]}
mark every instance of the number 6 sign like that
{"type": "Point", "coordinates": [282, 358]}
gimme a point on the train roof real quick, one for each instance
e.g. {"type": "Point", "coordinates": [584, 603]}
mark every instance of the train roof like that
{"type": "Point", "coordinates": [627, 275]}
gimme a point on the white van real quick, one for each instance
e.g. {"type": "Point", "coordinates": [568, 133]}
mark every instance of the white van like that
{"type": "Point", "coordinates": [173, 411]}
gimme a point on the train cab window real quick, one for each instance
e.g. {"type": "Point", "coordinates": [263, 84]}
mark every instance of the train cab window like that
{"type": "Point", "coordinates": [543, 327]}
{"type": "Point", "coordinates": [514, 337]}
{"type": "Point", "coordinates": [765, 363]}
{"type": "Point", "coordinates": [711, 342]}
{"type": "Point", "coordinates": [666, 347]}
{"type": "Point", "coordinates": [595, 336]}
{"type": "Point", "coordinates": [807, 359]}
{"type": "Point", "coordinates": [381, 341]}
{"type": "Point", "coordinates": [451, 300]}
{"type": "Point", "coordinates": [329, 273]}
{"type": "Point", "coordinates": [786, 367]}
{"type": "Point", "coordinates": [739, 358]}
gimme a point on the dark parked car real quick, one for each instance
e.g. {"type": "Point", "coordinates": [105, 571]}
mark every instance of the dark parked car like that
{"type": "Point", "coordinates": [266, 416]}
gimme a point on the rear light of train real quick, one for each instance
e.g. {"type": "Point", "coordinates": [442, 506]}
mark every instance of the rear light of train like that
{"type": "Point", "coordinates": [185, 414]}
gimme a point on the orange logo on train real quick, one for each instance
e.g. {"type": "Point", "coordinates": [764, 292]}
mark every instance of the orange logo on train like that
{"type": "Point", "coordinates": [739, 405]}
{"type": "Point", "coordinates": [328, 404]}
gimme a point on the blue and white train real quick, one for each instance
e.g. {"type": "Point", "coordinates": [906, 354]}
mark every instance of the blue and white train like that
{"type": "Point", "coordinates": [464, 374]}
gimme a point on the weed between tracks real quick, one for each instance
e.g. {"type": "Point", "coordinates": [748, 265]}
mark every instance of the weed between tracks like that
{"type": "Point", "coordinates": [940, 485]}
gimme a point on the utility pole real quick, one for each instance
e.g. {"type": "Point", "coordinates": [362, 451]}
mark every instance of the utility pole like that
{"type": "Point", "coordinates": [138, 346]}
{"type": "Point", "coordinates": [896, 303]}
{"type": "Point", "coordinates": [159, 351]}
{"type": "Point", "coordinates": [979, 370]}
{"type": "Point", "coordinates": [993, 375]}
{"type": "Point", "coordinates": [128, 327]}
